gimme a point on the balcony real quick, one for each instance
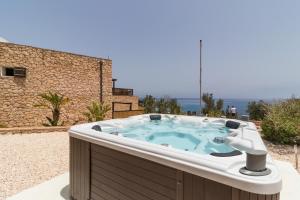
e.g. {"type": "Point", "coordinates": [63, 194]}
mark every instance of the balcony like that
{"type": "Point", "coordinates": [122, 91]}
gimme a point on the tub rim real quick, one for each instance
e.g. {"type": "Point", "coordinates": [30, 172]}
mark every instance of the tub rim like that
{"type": "Point", "coordinates": [178, 159]}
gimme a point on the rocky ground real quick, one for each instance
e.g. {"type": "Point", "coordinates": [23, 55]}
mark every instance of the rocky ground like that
{"type": "Point", "coordinates": [29, 159]}
{"type": "Point", "coordinates": [283, 153]}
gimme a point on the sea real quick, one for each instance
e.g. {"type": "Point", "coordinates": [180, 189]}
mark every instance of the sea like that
{"type": "Point", "coordinates": [193, 104]}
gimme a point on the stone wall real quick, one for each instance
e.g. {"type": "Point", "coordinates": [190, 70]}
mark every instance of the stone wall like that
{"type": "Point", "coordinates": [40, 129]}
{"type": "Point", "coordinates": [125, 114]}
{"type": "Point", "coordinates": [134, 100]}
{"type": "Point", "coordinates": [75, 76]}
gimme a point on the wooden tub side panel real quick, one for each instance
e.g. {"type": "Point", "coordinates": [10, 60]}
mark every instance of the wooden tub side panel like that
{"type": "Point", "coordinates": [101, 173]}
{"type": "Point", "coordinates": [116, 175]}
{"type": "Point", "coordinates": [79, 169]}
{"type": "Point", "coordinates": [198, 188]}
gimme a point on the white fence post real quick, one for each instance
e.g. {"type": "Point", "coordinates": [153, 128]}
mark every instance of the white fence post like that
{"type": "Point", "coordinates": [296, 155]}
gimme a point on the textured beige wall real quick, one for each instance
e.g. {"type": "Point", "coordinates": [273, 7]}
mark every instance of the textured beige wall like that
{"type": "Point", "coordinates": [75, 76]}
{"type": "Point", "coordinates": [125, 114]}
{"type": "Point", "coordinates": [125, 99]}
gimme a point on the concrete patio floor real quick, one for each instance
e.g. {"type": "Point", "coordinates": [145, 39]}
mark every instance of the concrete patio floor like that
{"type": "Point", "coordinates": [54, 189]}
{"type": "Point", "coordinates": [290, 181]}
{"type": "Point", "coordinates": [58, 187]}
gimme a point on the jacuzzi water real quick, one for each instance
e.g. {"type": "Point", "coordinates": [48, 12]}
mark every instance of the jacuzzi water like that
{"type": "Point", "coordinates": [192, 137]}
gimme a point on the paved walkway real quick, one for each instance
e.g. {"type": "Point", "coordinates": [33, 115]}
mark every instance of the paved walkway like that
{"type": "Point", "coordinates": [54, 189]}
{"type": "Point", "coordinates": [290, 181]}
{"type": "Point", "coordinates": [57, 188]}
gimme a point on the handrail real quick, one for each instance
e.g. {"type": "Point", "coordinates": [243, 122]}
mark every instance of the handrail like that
{"type": "Point", "coordinates": [122, 91]}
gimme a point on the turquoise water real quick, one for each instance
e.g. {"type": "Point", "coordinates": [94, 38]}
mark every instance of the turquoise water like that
{"type": "Point", "coordinates": [186, 136]}
{"type": "Point", "coordinates": [175, 139]}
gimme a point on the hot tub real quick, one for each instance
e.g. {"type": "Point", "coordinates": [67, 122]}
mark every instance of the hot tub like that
{"type": "Point", "coordinates": [170, 157]}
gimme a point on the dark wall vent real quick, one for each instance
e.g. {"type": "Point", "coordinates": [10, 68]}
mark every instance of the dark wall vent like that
{"type": "Point", "coordinates": [20, 71]}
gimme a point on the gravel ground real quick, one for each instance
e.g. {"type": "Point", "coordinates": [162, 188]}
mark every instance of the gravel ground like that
{"type": "Point", "coordinates": [29, 159]}
{"type": "Point", "coordinates": [283, 153]}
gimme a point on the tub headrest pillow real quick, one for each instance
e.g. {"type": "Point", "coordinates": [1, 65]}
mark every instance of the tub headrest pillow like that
{"type": "Point", "coordinates": [228, 154]}
{"type": "Point", "coordinates": [97, 128]}
{"type": "Point", "coordinates": [155, 117]}
{"type": "Point", "coordinates": [232, 124]}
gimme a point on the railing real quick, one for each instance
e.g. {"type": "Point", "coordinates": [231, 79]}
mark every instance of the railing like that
{"type": "Point", "coordinates": [122, 91]}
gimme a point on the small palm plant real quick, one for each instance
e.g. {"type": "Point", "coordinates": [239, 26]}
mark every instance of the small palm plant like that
{"type": "Point", "coordinates": [54, 102]}
{"type": "Point", "coordinates": [96, 111]}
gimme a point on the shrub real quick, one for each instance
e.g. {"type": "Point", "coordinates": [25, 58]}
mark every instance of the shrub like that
{"type": "Point", "coordinates": [281, 124]}
{"type": "Point", "coordinates": [149, 104]}
{"type": "Point", "coordinates": [215, 113]}
{"type": "Point", "coordinates": [212, 108]}
{"type": "Point", "coordinates": [257, 110]}
{"type": "Point", "coordinates": [162, 105]}
{"type": "Point", "coordinates": [54, 102]}
{"type": "Point", "coordinates": [174, 107]}
{"type": "Point", "coordinates": [96, 112]}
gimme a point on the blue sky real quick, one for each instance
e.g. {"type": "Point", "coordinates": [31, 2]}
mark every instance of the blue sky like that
{"type": "Point", "coordinates": [251, 49]}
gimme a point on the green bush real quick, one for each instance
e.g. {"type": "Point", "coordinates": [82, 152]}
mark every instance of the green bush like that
{"type": "Point", "coordinates": [257, 110]}
{"type": "Point", "coordinates": [281, 124]}
{"type": "Point", "coordinates": [96, 112]}
{"type": "Point", "coordinates": [54, 102]}
{"type": "Point", "coordinates": [149, 104]}
{"type": "Point", "coordinates": [163, 105]}
{"type": "Point", "coordinates": [212, 107]}
{"type": "Point", "coordinates": [174, 107]}
{"type": "Point", "coordinates": [215, 113]}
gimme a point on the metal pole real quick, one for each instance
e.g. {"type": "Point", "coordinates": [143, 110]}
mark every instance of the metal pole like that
{"type": "Point", "coordinates": [296, 155]}
{"type": "Point", "coordinates": [200, 77]}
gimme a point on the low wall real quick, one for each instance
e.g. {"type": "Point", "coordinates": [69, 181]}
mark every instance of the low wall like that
{"type": "Point", "coordinates": [25, 130]}
{"type": "Point", "coordinates": [125, 114]}
{"type": "Point", "coordinates": [120, 101]}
